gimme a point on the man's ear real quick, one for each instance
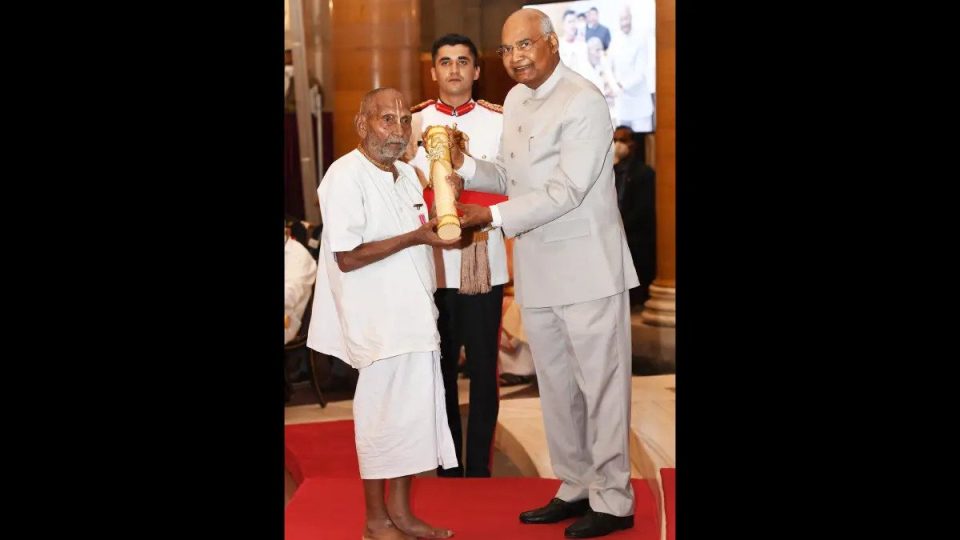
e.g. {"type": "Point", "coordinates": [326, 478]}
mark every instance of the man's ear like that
{"type": "Point", "coordinates": [360, 126]}
{"type": "Point", "coordinates": [554, 42]}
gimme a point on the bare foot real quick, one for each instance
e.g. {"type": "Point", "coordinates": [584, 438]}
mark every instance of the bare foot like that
{"type": "Point", "coordinates": [384, 530]}
{"type": "Point", "coordinates": [412, 525]}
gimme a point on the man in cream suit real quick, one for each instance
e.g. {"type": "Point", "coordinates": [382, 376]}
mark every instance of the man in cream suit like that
{"type": "Point", "coordinates": [572, 270]}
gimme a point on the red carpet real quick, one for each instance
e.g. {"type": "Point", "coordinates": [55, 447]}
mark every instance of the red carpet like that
{"type": "Point", "coordinates": [328, 503]}
{"type": "Point", "coordinates": [474, 508]}
{"type": "Point", "coordinates": [669, 478]}
{"type": "Point", "coordinates": [325, 449]}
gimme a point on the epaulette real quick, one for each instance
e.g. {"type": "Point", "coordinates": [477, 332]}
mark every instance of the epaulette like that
{"type": "Point", "coordinates": [492, 106]}
{"type": "Point", "coordinates": [420, 106]}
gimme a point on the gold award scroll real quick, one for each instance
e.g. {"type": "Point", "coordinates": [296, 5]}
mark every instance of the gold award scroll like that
{"type": "Point", "coordinates": [438, 152]}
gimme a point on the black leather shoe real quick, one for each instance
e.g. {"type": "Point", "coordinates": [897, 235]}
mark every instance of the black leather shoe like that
{"type": "Point", "coordinates": [597, 524]}
{"type": "Point", "coordinates": [556, 510]}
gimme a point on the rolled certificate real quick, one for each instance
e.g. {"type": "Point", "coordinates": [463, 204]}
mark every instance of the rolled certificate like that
{"type": "Point", "coordinates": [438, 152]}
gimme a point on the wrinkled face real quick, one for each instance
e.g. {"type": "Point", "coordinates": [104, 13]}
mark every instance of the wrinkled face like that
{"type": "Point", "coordinates": [535, 65]}
{"type": "Point", "coordinates": [455, 69]}
{"type": "Point", "coordinates": [385, 129]}
{"type": "Point", "coordinates": [626, 21]}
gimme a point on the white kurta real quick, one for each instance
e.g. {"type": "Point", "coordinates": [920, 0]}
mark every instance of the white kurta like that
{"type": "Point", "coordinates": [381, 319]}
{"type": "Point", "coordinates": [483, 127]}
{"type": "Point", "coordinates": [386, 308]}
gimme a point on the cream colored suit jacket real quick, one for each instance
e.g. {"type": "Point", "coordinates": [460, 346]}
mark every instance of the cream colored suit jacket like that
{"type": "Point", "coordinates": [556, 165]}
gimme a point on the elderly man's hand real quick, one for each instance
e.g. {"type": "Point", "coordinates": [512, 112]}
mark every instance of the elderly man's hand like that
{"type": "Point", "coordinates": [427, 234]}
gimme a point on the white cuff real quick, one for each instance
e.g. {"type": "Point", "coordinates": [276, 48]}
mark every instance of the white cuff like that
{"type": "Point", "coordinates": [495, 214]}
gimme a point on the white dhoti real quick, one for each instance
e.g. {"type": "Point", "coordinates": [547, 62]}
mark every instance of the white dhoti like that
{"type": "Point", "coordinates": [400, 417]}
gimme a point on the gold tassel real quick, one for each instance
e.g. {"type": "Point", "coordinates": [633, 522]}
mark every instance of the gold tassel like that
{"type": "Point", "coordinates": [475, 266]}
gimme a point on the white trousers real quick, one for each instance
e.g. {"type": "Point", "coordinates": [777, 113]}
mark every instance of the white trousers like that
{"type": "Point", "coordinates": [582, 353]}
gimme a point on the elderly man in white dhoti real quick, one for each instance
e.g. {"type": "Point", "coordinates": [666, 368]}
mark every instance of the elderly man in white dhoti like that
{"type": "Point", "coordinates": [373, 307]}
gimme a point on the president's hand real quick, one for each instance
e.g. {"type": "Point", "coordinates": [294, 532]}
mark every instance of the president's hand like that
{"type": "Point", "coordinates": [456, 184]}
{"type": "Point", "coordinates": [456, 147]}
{"type": "Point", "coordinates": [474, 215]}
